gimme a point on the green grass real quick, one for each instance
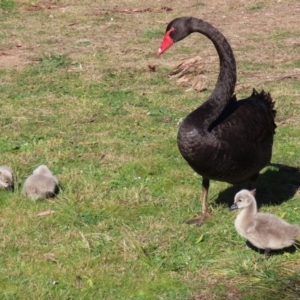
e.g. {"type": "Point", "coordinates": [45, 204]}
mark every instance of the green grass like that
{"type": "Point", "coordinates": [294, 64]}
{"type": "Point", "coordinates": [258, 6]}
{"type": "Point", "coordinates": [7, 5]}
{"type": "Point", "coordinates": [88, 107]}
{"type": "Point", "coordinates": [152, 34]}
{"type": "Point", "coordinates": [255, 66]}
{"type": "Point", "coordinates": [283, 34]}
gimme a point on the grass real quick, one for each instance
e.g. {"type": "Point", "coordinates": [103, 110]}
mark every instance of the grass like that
{"type": "Point", "coordinates": [85, 103]}
{"type": "Point", "coordinates": [257, 6]}
{"type": "Point", "coordinates": [7, 5]}
{"type": "Point", "coordinates": [283, 34]}
{"type": "Point", "coordinates": [151, 34]}
{"type": "Point", "coordinates": [53, 60]}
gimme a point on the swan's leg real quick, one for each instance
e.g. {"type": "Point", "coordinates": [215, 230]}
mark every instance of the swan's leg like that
{"type": "Point", "coordinates": [267, 253]}
{"type": "Point", "coordinates": [205, 187]}
{"type": "Point", "coordinates": [199, 220]}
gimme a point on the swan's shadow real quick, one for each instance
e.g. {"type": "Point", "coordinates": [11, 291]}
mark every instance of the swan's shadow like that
{"type": "Point", "coordinates": [276, 185]}
{"type": "Point", "coordinates": [290, 249]}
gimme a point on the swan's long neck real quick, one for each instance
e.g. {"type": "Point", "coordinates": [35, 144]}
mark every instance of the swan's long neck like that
{"type": "Point", "coordinates": [224, 88]}
{"type": "Point", "coordinates": [248, 211]}
{"type": "Point", "coordinates": [245, 215]}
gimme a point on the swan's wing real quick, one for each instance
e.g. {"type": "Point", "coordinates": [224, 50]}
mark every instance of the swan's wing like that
{"type": "Point", "coordinates": [249, 119]}
{"type": "Point", "coordinates": [259, 116]}
{"type": "Point", "coordinates": [269, 225]}
{"type": "Point", "coordinates": [251, 227]}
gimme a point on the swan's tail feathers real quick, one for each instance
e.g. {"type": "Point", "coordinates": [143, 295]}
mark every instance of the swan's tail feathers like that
{"type": "Point", "coordinates": [267, 99]}
{"type": "Point", "coordinates": [254, 93]}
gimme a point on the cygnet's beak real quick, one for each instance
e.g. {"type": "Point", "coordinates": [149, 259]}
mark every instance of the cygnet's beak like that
{"type": "Point", "coordinates": [233, 207]}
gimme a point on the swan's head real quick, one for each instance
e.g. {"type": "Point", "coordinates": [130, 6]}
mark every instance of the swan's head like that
{"type": "Point", "coordinates": [177, 30]}
{"type": "Point", "coordinates": [243, 199]}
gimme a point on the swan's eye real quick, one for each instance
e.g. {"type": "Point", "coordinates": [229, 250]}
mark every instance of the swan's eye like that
{"type": "Point", "coordinates": [240, 200]}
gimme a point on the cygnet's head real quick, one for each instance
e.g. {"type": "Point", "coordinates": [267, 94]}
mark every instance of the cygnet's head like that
{"type": "Point", "coordinates": [6, 179]}
{"type": "Point", "coordinates": [43, 170]}
{"type": "Point", "coordinates": [243, 199]}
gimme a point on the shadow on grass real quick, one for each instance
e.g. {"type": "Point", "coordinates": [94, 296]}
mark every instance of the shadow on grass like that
{"type": "Point", "coordinates": [290, 249]}
{"type": "Point", "coordinates": [276, 185]}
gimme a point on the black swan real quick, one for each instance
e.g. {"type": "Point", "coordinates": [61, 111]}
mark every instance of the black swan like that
{"type": "Point", "coordinates": [223, 139]}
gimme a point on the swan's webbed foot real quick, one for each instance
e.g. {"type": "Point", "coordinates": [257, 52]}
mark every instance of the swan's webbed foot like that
{"type": "Point", "coordinates": [198, 220]}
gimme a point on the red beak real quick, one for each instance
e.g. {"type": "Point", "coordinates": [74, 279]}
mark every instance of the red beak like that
{"type": "Point", "coordinates": [166, 43]}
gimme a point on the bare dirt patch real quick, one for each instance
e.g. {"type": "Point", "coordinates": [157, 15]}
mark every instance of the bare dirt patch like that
{"type": "Point", "coordinates": [11, 59]}
{"type": "Point", "coordinates": [14, 58]}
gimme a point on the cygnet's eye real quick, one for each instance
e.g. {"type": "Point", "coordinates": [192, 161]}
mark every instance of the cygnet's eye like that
{"type": "Point", "coordinates": [240, 200]}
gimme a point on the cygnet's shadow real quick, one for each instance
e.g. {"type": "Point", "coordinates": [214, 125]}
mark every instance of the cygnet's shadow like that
{"type": "Point", "coordinates": [276, 185]}
{"type": "Point", "coordinates": [290, 249]}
